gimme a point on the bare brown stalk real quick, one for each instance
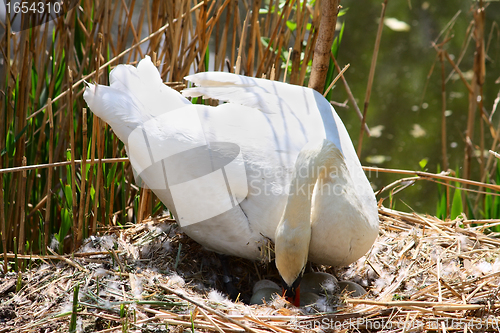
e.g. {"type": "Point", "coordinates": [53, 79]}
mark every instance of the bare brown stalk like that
{"type": "Point", "coordinates": [143, 204]}
{"type": "Point", "coordinates": [209, 309]}
{"type": "Point", "coordinates": [435, 176]}
{"type": "Point", "coordinates": [371, 75]}
{"type": "Point", "coordinates": [68, 261]}
{"type": "Point", "coordinates": [22, 215]}
{"type": "Point", "coordinates": [3, 115]}
{"type": "Point", "coordinates": [286, 65]}
{"type": "Point", "coordinates": [83, 176]}
{"type": "Point", "coordinates": [302, 16]}
{"type": "Point", "coordinates": [480, 70]}
{"type": "Point", "coordinates": [443, 126]}
{"type": "Point", "coordinates": [340, 74]}
{"type": "Point", "coordinates": [20, 115]}
{"type": "Point", "coordinates": [459, 72]}
{"type": "Point", "coordinates": [308, 52]}
{"type": "Point", "coordinates": [239, 59]}
{"type": "Point", "coordinates": [128, 13]}
{"type": "Point", "coordinates": [476, 97]}
{"type": "Point", "coordinates": [260, 51]}
{"type": "Point", "coordinates": [448, 26]}
{"type": "Point", "coordinates": [211, 23]}
{"type": "Point", "coordinates": [96, 134]}
{"type": "Point", "coordinates": [2, 222]}
{"type": "Point", "coordinates": [112, 184]}
{"type": "Point", "coordinates": [221, 55]}
{"type": "Point", "coordinates": [443, 113]}
{"type": "Point", "coordinates": [72, 154]}
{"type": "Point", "coordinates": [252, 39]}
{"type": "Point", "coordinates": [468, 33]}
{"type": "Point", "coordinates": [48, 207]}
{"type": "Point", "coordinates": [63, 163]}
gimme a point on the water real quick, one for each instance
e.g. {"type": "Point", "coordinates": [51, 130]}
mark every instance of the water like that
{"type": "Point", "coordinates": [407, 122]}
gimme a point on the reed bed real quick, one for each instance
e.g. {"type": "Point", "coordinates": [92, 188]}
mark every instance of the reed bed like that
{"type": "Point", "coordinates": [58, 198]}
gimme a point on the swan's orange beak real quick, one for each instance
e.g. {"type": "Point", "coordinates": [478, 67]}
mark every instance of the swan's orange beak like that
{"type": "Point", "coordinates": [292, 295]}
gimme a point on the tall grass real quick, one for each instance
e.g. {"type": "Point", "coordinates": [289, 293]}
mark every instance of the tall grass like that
{"type": "Point", "coordinates": [44, 121]}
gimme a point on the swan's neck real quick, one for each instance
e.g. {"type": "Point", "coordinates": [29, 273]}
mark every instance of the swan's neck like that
{"type": "Point", "coordinates": [293, 233]}
{"type": "Point", "coordinates": [315, 161]}
{"type": "Point", "coordinates": [298, 207]}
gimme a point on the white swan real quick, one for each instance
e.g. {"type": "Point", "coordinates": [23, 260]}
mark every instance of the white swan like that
{"type": "Point", "coordinates": [274, 162]}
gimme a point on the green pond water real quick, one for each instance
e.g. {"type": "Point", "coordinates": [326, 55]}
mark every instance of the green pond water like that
{"type": "Point", "coordinates": [406, 123]}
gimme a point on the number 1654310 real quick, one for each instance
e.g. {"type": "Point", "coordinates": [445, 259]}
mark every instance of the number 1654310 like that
{"type": "Point", "coordinates": [25, 7]}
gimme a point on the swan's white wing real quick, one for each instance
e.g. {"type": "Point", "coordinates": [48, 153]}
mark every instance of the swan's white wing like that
{"type": "Point", "coordinates": [246, 96]}
{"type": "Point", "coordinates": [267, 96]}
{"type": "Point", "coordinates": [145, 85]}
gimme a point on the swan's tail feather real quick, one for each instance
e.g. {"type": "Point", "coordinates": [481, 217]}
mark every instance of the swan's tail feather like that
{"type": "Point", "coordinates": [145, 84]}
{"type": "Point", "coordinates": [116, 108]}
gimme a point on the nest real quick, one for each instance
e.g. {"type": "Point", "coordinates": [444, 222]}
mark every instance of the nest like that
{"type": "Point", "coordinates": [421, 274]}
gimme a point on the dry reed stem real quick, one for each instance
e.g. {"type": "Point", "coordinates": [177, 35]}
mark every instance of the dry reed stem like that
{"type": "Point", "coordinates": [241, 52]}
{"type": "Point", "coordinates": [55, 257]}
{"type": "Point", "coordinates": [286, 65]}
{"type": "Point", "coordinates": [217, 327]}
{"type": "Point", "coordinates": [48, 206]}
{"type": "Point", "coordinates": [302, 19]}
{"type": "Point", "coordinates": [64, 163]}
{"type": "Point", "coordinates": [22, 215]}
{"type": "Point", "coordinates": [443, 116]}
{"type": "Point", "coordinates": [435, 176]}
{"type": "Point", "coordinates": [438, 233]}
{"type": "Point", "coordinates": [68, 261]}
{"type": "Point", "coordinates": [206, 308]}
{"type": "Point", "coordinates": [3, 226]}
{"type": "Point", "coordinates": [96, 140]}
{"type": "Point", "coordinates": [339, 75]}
{"type": "Point", "coordinates": [72, 158]}
{"type": "Point", "coordinates": [476, 97]}
{"type": "Point", "coordinates": [251, 40]}
{"type": "Point", "coordinates": [371, 76]}
{"type": "Point", "coordinates": [350, 95]}
{"type": "Point", "coordinates": [437, 306]}
{"type": "Point", "coordinates": [83, 174]}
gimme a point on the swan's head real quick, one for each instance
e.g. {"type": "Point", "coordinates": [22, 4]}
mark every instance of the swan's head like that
{"type": "Point", "coordinates": [291, 252]}
{"type": "Point", "coordinates": [292, 293]}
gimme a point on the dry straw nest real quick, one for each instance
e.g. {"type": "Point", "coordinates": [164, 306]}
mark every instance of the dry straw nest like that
{"type": "Point", "coordinates": [421, 274]}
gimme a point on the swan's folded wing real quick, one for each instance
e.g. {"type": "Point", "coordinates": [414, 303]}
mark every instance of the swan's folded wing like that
{"type": "Point", "coordinates": [264, 95]}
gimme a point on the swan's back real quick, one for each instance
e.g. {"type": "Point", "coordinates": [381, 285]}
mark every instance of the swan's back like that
{"type": "Point", "coordinates": [285, 104]}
